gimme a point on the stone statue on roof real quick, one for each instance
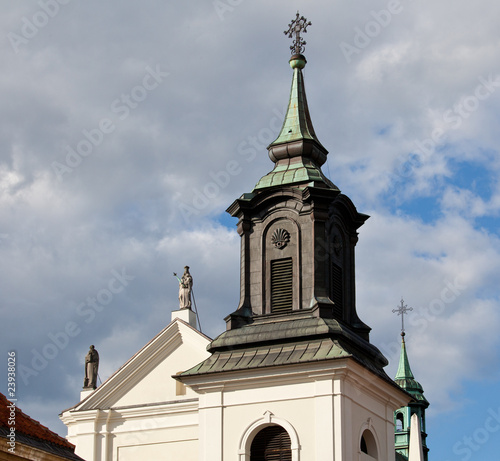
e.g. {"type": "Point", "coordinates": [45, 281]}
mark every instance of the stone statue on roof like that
{"type": "Point", "coordinates": [185, 288]}
{"type": "Point", "coordinates": [91, 367]}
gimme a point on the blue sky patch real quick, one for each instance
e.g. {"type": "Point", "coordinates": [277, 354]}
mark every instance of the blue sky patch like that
{"type": "Point", "coordinates": [472, 176]}
{"type": "Point", "coordinates": [226, 220]}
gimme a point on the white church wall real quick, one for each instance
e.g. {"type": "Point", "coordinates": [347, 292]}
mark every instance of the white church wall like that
{"type": "Point", "coordinates": [328, 407]}
{"type": "Point", "coordinates": [141, 412]}
{"type": "Point", "coordinates": [186, 450]}
{"type": "Point", "coordinates": [107, 432]}
{"type": "Point", "coordinates": [157, 438]}
{"type": "Point", "coordinates": [158, 385]}
{"type": "Point", "coordinates": [299, 413]}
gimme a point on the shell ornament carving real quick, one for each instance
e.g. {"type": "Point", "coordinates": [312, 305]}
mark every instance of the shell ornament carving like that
{"type": "Point", "coordinates": [280, 238]}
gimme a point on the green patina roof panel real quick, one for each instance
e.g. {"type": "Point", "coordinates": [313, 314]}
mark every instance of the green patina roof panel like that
{"type": "Point", "coordinates": [297, 124]}
{"type": "Point", "coordinates": [294, 173]}
{"type": "Point", "coordinates": [266, 356]}
{"type": "Point", "coordinates": [404, 376]}
{"type": "Point", "coordinates": [404, 370]}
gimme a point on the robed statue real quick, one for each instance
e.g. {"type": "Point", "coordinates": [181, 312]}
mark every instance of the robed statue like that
{"type": "Point", "coordinates": [91, 367]}
{"type": "Point", "coordinates": [185, 288]}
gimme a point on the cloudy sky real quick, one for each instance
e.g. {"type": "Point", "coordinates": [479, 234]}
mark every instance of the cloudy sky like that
{"type": "Point", "coordinates": [127, 128]}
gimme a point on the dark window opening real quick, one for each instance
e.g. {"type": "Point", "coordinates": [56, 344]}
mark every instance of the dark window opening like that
{"type": "Point", "coordinates": [368, 445]}
{"type": "Point", "coordinates": [399, 422]}
{"type": "Point", "coordinates": [271, 444]}
{"type": "Point", "coordinates": [363, 446]}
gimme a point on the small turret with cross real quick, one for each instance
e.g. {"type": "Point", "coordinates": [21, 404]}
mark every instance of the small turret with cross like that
{"type": "Point", "coordinates": [404, 378]}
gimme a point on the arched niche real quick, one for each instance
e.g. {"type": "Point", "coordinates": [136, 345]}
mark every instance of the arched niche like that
{"type": "Point", "coordinates": [368, 443]}
{"type": "Point", "coordinates": [266, 421]}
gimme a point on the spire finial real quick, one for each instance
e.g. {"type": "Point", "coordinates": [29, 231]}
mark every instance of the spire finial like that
{"type": "Point", "coordinates": [402, 310]}
{"type": "Point", "coordinates": [298, 25]}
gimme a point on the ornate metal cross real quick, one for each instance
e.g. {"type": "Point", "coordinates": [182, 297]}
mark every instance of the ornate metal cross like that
{"type": "Point", "coordinates": [299, 24]}
{"type": "Point", "coordinates": [402, 310]}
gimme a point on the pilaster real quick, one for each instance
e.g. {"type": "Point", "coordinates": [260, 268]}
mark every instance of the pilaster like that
{"type": "Point", "coordinates": [211, 425]}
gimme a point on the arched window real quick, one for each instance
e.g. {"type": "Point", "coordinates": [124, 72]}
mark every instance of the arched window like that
{"type": "Point", "coordinates": [368, 445]}
{"type": "Point", "coordinates": [399, 422]}
{"type": "Point", "coordinates": [271, 444]}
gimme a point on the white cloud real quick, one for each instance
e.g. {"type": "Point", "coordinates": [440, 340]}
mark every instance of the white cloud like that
{"type": "Point", "coordinates": [447, 271]}
{"type": "Point", "coordinates": [468, 203]}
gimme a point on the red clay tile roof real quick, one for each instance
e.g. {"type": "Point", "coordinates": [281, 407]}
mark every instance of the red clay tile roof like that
{"type": "Point", "coordinates": [28, 426]}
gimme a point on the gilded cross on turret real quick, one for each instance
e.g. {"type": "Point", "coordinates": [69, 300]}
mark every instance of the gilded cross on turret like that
{"type": "Point", "coordinates": [402, 310]}
{"type": "Point", "coordinates": [298, 25]}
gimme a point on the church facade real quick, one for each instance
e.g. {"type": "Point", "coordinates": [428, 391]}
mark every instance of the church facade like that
{"type": "Point", "coordinates": [294, 376]}
{"type": "Point", "coordinates": [141, 412]}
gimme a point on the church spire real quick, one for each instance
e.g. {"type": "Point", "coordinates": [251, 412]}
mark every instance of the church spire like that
{"type": "Point", "coordinates": [297, 125]}
{"type": "Point", "coordinates": [404, 370]}
{"type": "Point", "coordinates": [406, 380]}
{"type": "Point", "coordinates": [404, 376]}
{"type": "Point", "coordinates": [296, 151]}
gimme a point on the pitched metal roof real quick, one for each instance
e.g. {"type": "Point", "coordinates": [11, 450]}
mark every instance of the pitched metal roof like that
{"type": "Point", "coordinates": [271, 355]}
{"type": "Point", "coordinates": [278, 341]}
{"type": "Point", "coordinates": [295, 171]}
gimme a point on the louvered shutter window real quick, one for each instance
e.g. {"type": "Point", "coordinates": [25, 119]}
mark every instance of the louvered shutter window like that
{"type": "Point", "coordinates": [281, 285]}
{"type": "Point", "coordinates": [271, 444]}
{"type": "Point", "coordinates": [337, 296]}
